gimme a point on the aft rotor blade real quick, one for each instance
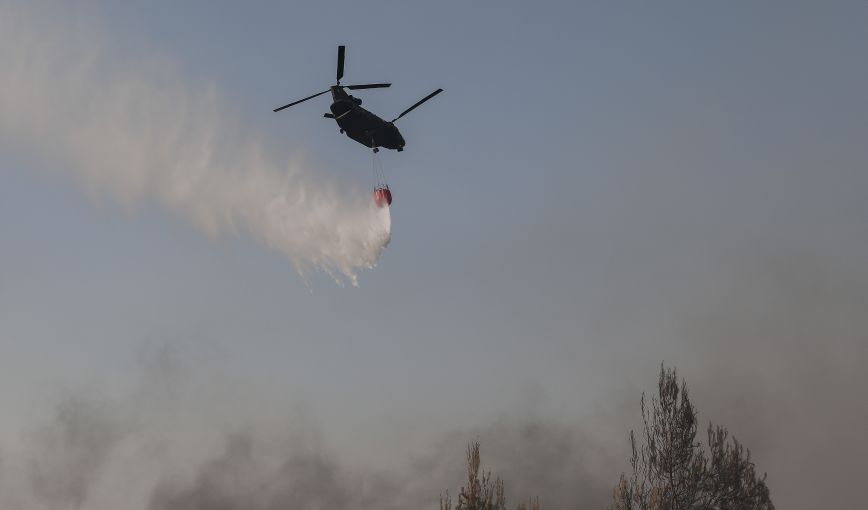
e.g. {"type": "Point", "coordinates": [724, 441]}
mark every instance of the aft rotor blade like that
{"type": "Point", "coordinates": [410, 109]}
{"type": "Point", "coordinates": [369, 86]}
{"type": "Point", "coordinates": [300, 101]}
{"type": "Point", "coordinates": [341, 51]}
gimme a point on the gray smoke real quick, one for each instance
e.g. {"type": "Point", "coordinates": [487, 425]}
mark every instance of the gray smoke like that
{"type": "Point", "coordinates": [781, 348]}
{"type": "Point", "coordinates": [134, 131]}
{"type": "Point", "coordinates": [69, 453]}
{"type": "Point", "coordinates": [774, 354]}
{"type": "Point", "coordinates": [536, 457]}
{"type": "Point", "coordinates": [185, 440]}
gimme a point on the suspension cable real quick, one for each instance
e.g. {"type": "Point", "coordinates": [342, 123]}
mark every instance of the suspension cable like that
{"type": "Point", "coordinates": [377, 167]}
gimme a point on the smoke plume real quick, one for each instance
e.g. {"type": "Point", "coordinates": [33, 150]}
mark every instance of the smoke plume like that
{"type": "Point", "coordinates": [175, 448]}
{"type": "Point", "coordinates": [774, 354]}
{"type": "Point", "coordinates": [133, 130]}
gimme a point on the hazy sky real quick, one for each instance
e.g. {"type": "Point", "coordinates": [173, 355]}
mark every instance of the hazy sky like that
{"type": "Point", "coordinates": [602, 187]}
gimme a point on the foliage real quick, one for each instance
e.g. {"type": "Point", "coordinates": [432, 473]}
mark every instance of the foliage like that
{"type": "Point", "coordinates": [482, 492]}
{"type": "Point", "coordinates": [672, 470]}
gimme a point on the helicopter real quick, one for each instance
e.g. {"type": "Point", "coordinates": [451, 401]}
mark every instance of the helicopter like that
{"type": "Point", "coordinates": [359, 124]}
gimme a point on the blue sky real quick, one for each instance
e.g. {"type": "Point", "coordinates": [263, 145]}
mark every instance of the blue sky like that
{"type": "Point", "coordinates": [596, 180]}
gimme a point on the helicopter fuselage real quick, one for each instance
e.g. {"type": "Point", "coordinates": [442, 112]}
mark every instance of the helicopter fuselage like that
{"type": "Point", "coordinates": [361, 125]}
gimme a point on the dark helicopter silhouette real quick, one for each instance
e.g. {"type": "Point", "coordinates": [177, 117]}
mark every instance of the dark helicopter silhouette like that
{"type": "Point", "coordinates": [359, 124]}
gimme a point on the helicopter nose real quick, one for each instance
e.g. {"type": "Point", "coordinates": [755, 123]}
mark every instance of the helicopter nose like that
{"type": "Point", "coordinates": [398, 137]}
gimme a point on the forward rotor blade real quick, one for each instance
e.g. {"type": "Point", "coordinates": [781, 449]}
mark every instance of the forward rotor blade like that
{"type": "Point", "coordinates": [369, 86]}
{"type": "Point", "coordinates": [410, 109]}
{"type": "Point", "coordinates": [341, 50]}
{"type": "Point", "coordinates": [300, 101]}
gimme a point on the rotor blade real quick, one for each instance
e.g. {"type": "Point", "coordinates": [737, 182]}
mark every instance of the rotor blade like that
{"type": "Point", "coordinates": [341, 50]}
{"type": "Point", "coordinates": [410, 109]}
{"type": "Point", "coordinates": [300, 101]}
{"type": "Point", "coordinates": [368, 86]}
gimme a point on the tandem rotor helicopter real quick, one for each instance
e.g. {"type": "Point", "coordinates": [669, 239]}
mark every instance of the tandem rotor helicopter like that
{"type": "Point", "coordinates": [361, 125]}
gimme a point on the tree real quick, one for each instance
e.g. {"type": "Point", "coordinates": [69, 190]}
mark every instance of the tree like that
{"type": "Point", "coordinates": [481, 493]}
{"type": "Point", "coordinates": [673, 471]}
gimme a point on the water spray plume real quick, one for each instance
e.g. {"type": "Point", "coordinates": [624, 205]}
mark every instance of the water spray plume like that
{"type": "Point", "coordinates": [134, 130]}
